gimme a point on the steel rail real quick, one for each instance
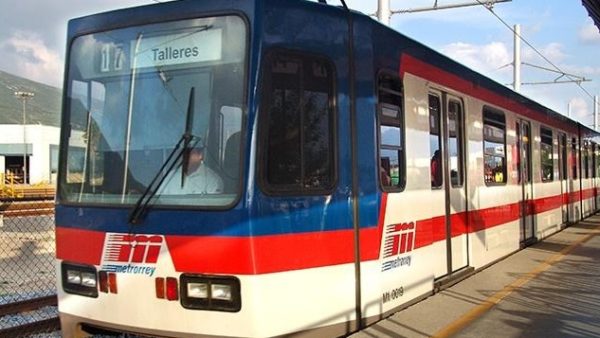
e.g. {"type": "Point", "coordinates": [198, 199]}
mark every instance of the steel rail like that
{"type": "Point", "coordinates": [40, 326]}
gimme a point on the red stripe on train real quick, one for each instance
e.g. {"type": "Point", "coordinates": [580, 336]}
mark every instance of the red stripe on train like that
{"type": "Point", "coordinates": [235, 255]}
{"type": "Point", "coordinates": [275, 253]}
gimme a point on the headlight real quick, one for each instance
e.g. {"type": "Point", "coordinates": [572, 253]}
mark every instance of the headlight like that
{"type": "Point", "coordinates": [197, 290]}
{"type": "Point", "coordinates": [220, 291]}
{"type": "Point", "coordinates": [217, 293]}
{"type": "Point", "coordinates": [74, 277]}
{"type": "Point", "coordinates": [79, 279]}
{"type": "Point", "coordinates": [88, 279]}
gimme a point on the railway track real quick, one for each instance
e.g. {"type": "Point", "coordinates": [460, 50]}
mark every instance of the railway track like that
{"type": "Point", "coordinates": [36, 316]}
{"type": "Point", "coordinates": [26, 208]}
{"type": "Point", "coordinates": [28, 328]}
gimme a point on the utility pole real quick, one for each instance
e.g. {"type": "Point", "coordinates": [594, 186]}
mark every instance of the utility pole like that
{"type": "Point", "coordinates": [23, 97]}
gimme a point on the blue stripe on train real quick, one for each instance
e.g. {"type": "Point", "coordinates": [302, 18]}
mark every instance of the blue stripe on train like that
{"type": "Point", "coordinates": [280, 216]}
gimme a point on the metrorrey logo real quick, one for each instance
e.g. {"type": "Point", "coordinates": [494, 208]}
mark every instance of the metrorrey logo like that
{"type": "Point", "coordinates": [399, 240]}
{"type": "Point", "coordinates": [135, 254]}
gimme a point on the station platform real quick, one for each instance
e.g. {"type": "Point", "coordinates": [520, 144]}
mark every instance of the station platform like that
{"type": "Point", "coordinates": [550, 289]}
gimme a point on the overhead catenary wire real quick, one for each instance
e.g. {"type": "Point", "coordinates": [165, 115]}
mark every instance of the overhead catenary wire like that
{"type": "Point", "coordinates": [574, 79]}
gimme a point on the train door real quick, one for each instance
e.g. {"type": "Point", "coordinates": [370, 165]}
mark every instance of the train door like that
{"type": "Point", "coordinates": [584, 159]}
{"type": "Point", "coordinates": [448, 178]}
{"type": "Point", "coordinates": [574, 183]}
{"type": "Point", "coordinates": [525, 179]}
{"type": "Point", "coordinates": [564, 176]}
{"type": "Point", "coordinates": [596, 175]}
{"type": "Point", "coordinates": [594, 171]}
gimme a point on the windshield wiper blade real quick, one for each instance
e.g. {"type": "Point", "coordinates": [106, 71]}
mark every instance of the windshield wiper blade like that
{"type": "Point", "coordinates": [182, 149]}
{"type": "Point", "coordinates": [187, 136]}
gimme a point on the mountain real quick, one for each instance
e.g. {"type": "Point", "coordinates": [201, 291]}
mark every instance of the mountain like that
{"type": "Point", "coordinates": [43, 108]}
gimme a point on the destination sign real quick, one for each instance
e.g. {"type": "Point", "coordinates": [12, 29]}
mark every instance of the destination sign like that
{"type": "Point", "coordinates": [176, 49]}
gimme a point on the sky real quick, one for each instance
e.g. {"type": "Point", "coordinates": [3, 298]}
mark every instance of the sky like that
{"type": "Point", "coordinates": [33, 36]}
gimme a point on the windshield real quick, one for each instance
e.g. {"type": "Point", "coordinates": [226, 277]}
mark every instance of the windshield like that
{"type": "Point", "coordinates": [128, 106]}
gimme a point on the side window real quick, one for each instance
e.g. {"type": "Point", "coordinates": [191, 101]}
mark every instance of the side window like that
{"type": "Point", "coordinates": [435, 139]}
{"type": "Point", "coordinates": [524, 147]}
{"type": "Point", "coordinates": [546, 156]}
{"type": "Point", "coordinates": [593, 164]}
{"type": "Point", "coordinates": [562, 155]}
{"type": "Point", "coordinates": [494, 146]}
{"type": "Point", "coordinates": [586, 159]}
{"type": "Point", "coordinates": [597, 161]}
{"type": "Point", "coordinates": [298, 144]}
{"type": "Point", "coordinates": [391, 132]}
{"type": "Point", "coordinates": [455, 142]}
{"type": "Point", "coordinates": [574, 157]}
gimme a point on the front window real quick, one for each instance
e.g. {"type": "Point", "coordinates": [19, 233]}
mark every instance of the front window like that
{"type": "Point", "coordinates": [134, 92]}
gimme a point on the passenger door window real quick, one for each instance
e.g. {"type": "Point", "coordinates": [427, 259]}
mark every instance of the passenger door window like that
{"type": "Point", "coordinates": [435, 141]}
{"type": "Point", "coordinates": [547, 159]}
{"type": "Point", "coordinates": [391, 132]}
{"type": "Point", "coordinates": [494, 146]}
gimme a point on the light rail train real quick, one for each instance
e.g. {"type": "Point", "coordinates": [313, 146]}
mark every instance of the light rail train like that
{"type": "Point", "coordinates": [282, 167]}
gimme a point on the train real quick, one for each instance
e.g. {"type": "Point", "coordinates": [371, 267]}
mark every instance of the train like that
{"type": "Point", "coordinates": [274, 168]}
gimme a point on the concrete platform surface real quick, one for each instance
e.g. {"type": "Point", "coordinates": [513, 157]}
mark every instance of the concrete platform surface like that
{"type": "Point", "coordinates": [550, 289]}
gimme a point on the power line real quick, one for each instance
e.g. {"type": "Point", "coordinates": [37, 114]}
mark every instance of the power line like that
{"type": "Point", "coordinates": [576, 81]}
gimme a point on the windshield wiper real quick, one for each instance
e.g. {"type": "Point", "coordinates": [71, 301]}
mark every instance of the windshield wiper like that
{"type": "Point", "coordinates": [187, 137]}
{"type": "Point", "coordinates": [181, 150]}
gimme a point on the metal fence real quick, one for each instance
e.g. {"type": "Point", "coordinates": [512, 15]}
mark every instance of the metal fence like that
{"type": "Point", "coordinates": [27, 268]}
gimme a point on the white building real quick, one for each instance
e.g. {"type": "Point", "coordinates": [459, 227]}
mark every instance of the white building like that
{"type": "Point", "coordinates": [37, 144]}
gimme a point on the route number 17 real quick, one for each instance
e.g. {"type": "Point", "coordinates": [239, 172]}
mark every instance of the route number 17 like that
{"type": "Point", "coordinates": [112, 58]}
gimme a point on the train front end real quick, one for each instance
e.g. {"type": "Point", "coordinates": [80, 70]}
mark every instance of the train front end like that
{"type": "Point", "coordinates": [149, 223]}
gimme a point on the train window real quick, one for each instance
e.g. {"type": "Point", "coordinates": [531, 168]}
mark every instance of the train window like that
{"type": "Point", "coordinates": [391, 129]}
{"type": "Point", "coordinates": [435, 142]}
{"type": "Point", "coordinates": [597, 161]}
{"type": "Point", "coordinates": [586, 161]}
{"type": "Point", "coordinates": [594, 159]}
{"type": "Point", "coordinates": [547, 159]}
{"type": "Point", "coordinates": [524, 147]}
{"type": "Point", "coordinates": [494, 146]}
{"type": "Point", "coordinates": [519, 152]}
{"type": "Point", "coordinates": [592, 149]}
{"type": "Point", "coordinates": [455, 141]}
{"type": "Point", "coordinates": [128, 110]}
{"type": "Point", "coordinates": [562, 156]}
{"type": "Point", "coordinates": [298, 142]}
{"type": "Point", "coordinates": [574, 157]}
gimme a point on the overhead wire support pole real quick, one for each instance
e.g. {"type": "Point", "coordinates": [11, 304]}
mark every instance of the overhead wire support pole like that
{"type": "Point", "coordinates": [383, 12]}
{"type": "Point", "coordinates": [596, 112]}
{"type": "Point", "coordinates": [571, 78]}
{"type": "Point", "coordinates": [517, 59]}
{"type": "Point", "coordinates": [487, 4]}
{"type": "Point", "coordinates": [552, 82]}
